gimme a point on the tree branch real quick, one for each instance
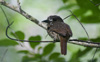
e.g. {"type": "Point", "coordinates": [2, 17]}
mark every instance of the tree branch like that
{"type": "Point", "coordinates": [74, 41]}
{"type": "Point", "coordinates": [85, 43]}
{"type": "Point", "coordinates": [26, 15]}
{"type": "Point", "coordinates": [22, 12]}
{"type": "Point", "coordinates": [94, 3]}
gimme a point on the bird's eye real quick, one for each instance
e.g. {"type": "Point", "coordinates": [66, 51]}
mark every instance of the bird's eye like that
{"type": "Point", "coordinates": [54, 19]}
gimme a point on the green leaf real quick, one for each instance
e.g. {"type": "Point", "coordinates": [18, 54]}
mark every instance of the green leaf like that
{"type": "Point", "coordinates": [83, 10]}
{"type": "Point", "coordinates": [64, 1]}
{"type": "Point", "coordinates": [91, 19]}
{"type": "Point", "coordinates": [39, 48]}
{"type": "Point", "coordinates": [93, 40]}
{"type": "Point", "coordinates": [94, 60]}
{"type": "Point", "coordinates": [66, 7]}
{"type": "Point", "coordinates": [28, 59]}
{"type": "Point", "coordinates": [60, 59]}
{"type": "Point", "coordinates": [34, 38]}
{"type": "Point", "coordinates": [85, 4]}
{"type": "Point", "coordinates": [96, 2]}
{"type": "Point", "coordinates": [76, 56]}
{"type": "Point", "coordinates": [8, 42]}
{"type": "Point", "coordinates": [54, 56]}
{"type": "Point", "coordinates": [38, 56]}
{"type": "Point", "coordinates": [19, 35]}
{"type": "Point", "coordinates": [96, 39]}
{"type": "Point", "coordinates": [43, 60]}
{"type": "Point", "coordinates": [83, 38]}
{"type": "Point", "coordinates": [84, 52]}
{"type": "Point", "coordinates": [48, 49]}
{"type": "Point", "coordinates": [79, 12]}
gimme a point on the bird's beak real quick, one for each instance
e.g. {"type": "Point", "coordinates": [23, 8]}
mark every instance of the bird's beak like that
{"type": "Point", "coordinates": [46, 21]}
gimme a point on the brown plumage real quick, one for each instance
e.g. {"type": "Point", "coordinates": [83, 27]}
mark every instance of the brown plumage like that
{"type": "Point", "coordinates": [59, 31]}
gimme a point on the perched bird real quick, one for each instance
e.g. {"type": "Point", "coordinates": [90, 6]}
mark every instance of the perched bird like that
{"type": "Point", "coordinates": [59, 31]}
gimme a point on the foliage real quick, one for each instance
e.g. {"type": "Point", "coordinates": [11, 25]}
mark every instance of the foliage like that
{"type": "Point", "coordinates": [32, 56]}
{"type": "Point", "coordinates": [88, 13]}
{"type": "Point", "coordinates": [33, 45]}
{"type": "Point", "coordinates": [64, 1]}
{"type": "Point", "coordinates": [7, 42]}
{"type": "Point", "coordinates": [18, 34]}
{"type": "Point", "coordinates": [85, 10]}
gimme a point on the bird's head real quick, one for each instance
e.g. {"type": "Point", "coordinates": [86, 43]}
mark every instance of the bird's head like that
{"type": "Point", "coordinates": [53, 19]}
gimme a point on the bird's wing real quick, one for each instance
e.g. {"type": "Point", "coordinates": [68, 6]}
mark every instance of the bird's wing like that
{"type": "Point", "coordinates": [69, 31]}
{"type": "Point", "coordinates": [62, 29]}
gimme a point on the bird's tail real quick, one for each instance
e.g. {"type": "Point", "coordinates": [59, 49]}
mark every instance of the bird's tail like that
{"type": "Point", "coordinates": [63, 44]}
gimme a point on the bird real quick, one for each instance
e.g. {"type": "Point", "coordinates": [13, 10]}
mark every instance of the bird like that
{"type": "Point", "coordinates": [59, 31]}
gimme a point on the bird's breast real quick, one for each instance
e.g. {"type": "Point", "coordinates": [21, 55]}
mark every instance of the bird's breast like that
{"type": "Point", "coordinates": [53, 35]}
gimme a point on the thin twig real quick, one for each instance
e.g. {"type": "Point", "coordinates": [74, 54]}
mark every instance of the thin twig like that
{"type": "Point", "coordinates": [94, 54]}
{"type": "Point", "coordinates": [9, 27]}
{"type": "Point", "coordinates": [87, 35]}
{"type": "Point", "coordinates": [26, 15]}
{"type": "Point", "coordinates": [19, 7]}
{"type": "Point", "coordinates": [67, 17]}
{"type": "Point", "coordinates": [81, 25]}
{"type": "Point", "coordinates": [74, 41]}
{"type": "Point", "coordinates": [4, 55]}
{"type": "Point", "coordinates": [4, 14]}
{"type": "Point", "coordinates": [94, 3]}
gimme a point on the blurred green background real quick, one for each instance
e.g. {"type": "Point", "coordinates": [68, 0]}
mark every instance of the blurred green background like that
{"type": "Point", "coordinates": [87, 12]}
